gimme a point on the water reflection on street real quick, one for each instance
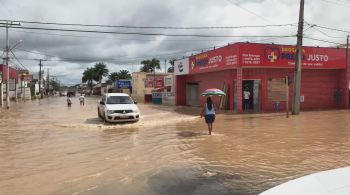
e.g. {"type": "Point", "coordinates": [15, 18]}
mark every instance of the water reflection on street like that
{"type": "Point", "coordinates": [47, 148]}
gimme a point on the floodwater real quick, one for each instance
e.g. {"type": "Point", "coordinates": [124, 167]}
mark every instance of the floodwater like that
{"type": "Point", "coordinates": [47, 148]}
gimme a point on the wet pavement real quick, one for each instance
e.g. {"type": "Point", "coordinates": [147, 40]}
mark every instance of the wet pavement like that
{"type": "Point", "coordinates": [47, 148]}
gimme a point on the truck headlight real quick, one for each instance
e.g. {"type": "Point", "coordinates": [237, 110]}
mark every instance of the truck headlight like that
{"type": "Point", "coordinates": [110, 111]}
{"type": "Point", "coordinates": [136, 111]}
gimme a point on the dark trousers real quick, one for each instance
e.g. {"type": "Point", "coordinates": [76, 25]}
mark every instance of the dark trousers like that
{"type": "Point", "coordinates": [245, 104]}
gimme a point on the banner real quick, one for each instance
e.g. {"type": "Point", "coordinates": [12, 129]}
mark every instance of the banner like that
{"type": "Point", "coordinates": [149, 82]}
{"type": "Point", "coordinates": [123, 84]}
{"type": "Point", "coordinates": [217, 59]}
{"type": "Point", "coordinates": [181, 67]}
{"type": "Point", "coordinates": [284, 56]}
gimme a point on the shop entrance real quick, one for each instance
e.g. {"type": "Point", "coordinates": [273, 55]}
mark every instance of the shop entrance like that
{"type": "Point", "coordinates": [251, 102]}
{"type": "Point", "coordinates": [192, 94]}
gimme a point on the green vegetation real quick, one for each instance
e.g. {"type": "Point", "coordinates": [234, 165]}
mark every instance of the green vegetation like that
{"type": "Point", "coordinates": [150, 65]}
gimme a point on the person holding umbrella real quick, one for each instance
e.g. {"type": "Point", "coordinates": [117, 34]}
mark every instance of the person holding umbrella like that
{"type": "Point", "coordinates": [208, 110]}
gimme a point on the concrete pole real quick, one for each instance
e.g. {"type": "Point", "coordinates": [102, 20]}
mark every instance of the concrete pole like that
{"type": "Point", "coordinates": [298, 63]}
{"type": "Point", "coordinates": [348, 71]}
{"type": "Point", "coordinates": [16, 92]}
{"type": "Point", "coordinates": [1, 95]}
{"type": "Point", "coordinates": [40, 92]}
{"type": "Point", "coordinates": [8, 68]}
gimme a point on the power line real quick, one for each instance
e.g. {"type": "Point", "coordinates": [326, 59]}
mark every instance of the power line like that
{"type": "Point", "coordinates": [323, 40]}
{"type": "Point", "coordinates": [247, 10]}
{"type": "Point", "coordinates": [18, 61]}
{"type": "Point", "coordinates": [143, 34]}
{"type": "Point", "coordinates": [116, 38]}
{"type": "Point", "coordinates": [339, 3]}
{"type": "Point", "coordinates": [67, 59]}
{"type": "Point", "coordinates": [334, 29]}
{"type": "Point", "coordinates": [153, 27]}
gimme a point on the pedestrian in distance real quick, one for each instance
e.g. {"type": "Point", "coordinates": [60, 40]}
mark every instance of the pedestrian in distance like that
{"type": "Point", "coordinates": [82, 100]}
{"type": "Point", "coordinates": [208, 111]}
{"type": "Point", "coordinates": [69, 101]}
{"type": "Point", "coordinates": [246, 97]}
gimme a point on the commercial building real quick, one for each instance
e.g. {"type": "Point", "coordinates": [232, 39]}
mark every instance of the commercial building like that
{"type": "Point", "coordinates": [144, 83]}
{"type": "Point", "coordinates": [262, 69]}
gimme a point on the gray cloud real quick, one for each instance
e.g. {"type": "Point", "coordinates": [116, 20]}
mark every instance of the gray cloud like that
{"type": "Point", "coordinates": [126, 51]}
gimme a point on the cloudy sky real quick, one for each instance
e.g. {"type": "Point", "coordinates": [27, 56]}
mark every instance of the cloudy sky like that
{"type": "Point", "coordinates": [67, 54]}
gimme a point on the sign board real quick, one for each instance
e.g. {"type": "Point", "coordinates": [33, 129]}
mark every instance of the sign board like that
{"type": "Point", "coordinates": [123, 84]}
{"type": "Point", "coordinates": [12, 84]}
{"type": "Point", "coordinates": [181, 67]}
{"type": "Point", "coordinates": [276, 89]}
{"type": "Point", "coordinates": [284, 56]}
{"type": "Point", "coordinates": [159, 81]}
{"type": "Point", "coordinates": [168, 80]}
{"type": "Point", "coordinates": [217, 59]}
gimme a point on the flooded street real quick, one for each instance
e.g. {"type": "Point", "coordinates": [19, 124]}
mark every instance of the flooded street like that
{"type": "Point", "coordinates": [47, 148]}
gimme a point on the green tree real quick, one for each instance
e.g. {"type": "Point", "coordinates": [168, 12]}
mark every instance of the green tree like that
{"type": "Point", "coordinates": [88, 76]}
{"type": "Point", "coordinates": [124, 74]}
{"type": "Point", "coordinates": [150, 65]}
{"type": "Point", "coordinates": [172, 63]}
{"type": "Point", "coordinates": [55, 85]}
{"type": "Point", "coordinates": [100, 71]}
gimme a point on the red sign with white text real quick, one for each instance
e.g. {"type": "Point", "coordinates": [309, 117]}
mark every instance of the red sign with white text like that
{"type": "Point", "coordinates": [284, 56]}
{"type": "Point", "coordinates": [217, 59]}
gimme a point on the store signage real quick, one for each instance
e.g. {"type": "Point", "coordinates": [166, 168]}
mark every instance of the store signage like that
{"type": "Point", "coordinates": [123, 84]}
{"type": "Point", "coordinates": [218, 59]}
{"type": "Point", "coordinates": [159, 81]}
{"type": "Point", "coordinates": [181, 67]}
{"type": "Point", "coordinates": [168, 80]}
{"type": "Point", "coordinates": [279, 56]}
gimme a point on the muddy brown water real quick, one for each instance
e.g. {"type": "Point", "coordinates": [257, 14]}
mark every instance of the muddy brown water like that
{"type": "Point", "coordinates": [47, 148]}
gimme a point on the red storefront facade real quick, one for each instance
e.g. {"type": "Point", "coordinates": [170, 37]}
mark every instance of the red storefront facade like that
{"type": "Point", "coordinates": [3, 71]}
{"type": "Point", "coordinates": [325, 76]}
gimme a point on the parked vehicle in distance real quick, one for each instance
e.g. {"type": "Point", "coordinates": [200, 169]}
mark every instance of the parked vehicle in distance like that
{"type": "Point", "coordinates": [63, 93]}
{"type": "Point", "coordinates": [118, 107]}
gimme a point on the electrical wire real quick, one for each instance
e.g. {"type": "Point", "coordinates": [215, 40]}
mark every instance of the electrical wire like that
{"type": "Point", "coordinates": [153, 27]}
{"type": "Point", "coordinates": [143, 34]}
{"type": "Point", "coordinates": [325, 41]}
{"type": "Point", "coordinates": [247, 10]}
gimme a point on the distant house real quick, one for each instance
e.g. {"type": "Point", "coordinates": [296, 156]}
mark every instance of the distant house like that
{"type": "Point", "coordinates": [144, 83]}
{"type": "Point", "coordinates": [13, 73]}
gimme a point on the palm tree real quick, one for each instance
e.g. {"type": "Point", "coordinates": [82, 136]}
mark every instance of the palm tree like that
{"type": "Point", "coordinates": [150, 65]}
{"type": "Point", "coordinates": [88, 76]}
{"type": "Point", "coordinates": [100, 71]}
{"type": "Point", "coordinates": [112, 77]}
{"type": "Point", "coordinates": [171, 68]}
{"type": "Point", "coordinates": [124, 74]}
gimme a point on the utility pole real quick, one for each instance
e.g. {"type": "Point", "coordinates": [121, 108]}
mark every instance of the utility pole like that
{"type": "Point", "coordinates": [40, 92]}
{"type": "Point", "coordinates": [165, 65]}
{"type": "Point", "coordinates": [298, 62]}
{"type": "Point", "coordinates": [48, 82]}
{"type": "Point", "coordinates": [347, 60]}
{"type": "Point", "coordinates": [7, 50]}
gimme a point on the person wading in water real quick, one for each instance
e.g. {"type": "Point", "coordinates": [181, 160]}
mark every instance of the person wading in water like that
{"type": "Point", "coordinates": [208, 112]}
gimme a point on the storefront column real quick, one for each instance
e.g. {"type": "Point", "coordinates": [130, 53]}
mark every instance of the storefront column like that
{"type": "Point", "coordinates": [239, 90]}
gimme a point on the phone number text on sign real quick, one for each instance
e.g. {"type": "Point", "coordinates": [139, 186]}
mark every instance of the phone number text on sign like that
{"type": "Point", "coordinates": [250, 59]}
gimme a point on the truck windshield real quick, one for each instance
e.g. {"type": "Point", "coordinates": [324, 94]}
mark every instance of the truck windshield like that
{"type": "Point", "coordinates": [119, 100]}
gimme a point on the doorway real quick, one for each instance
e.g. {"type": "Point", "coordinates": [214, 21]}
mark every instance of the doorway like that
{"type": "Point", "coordinates": [192, 94]}
{"type": "Point", "coordinates": [251, 98]}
